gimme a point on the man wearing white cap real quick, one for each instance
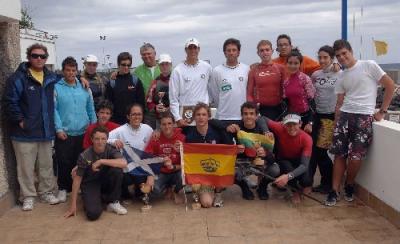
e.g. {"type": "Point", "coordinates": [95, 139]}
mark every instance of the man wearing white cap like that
{"type": "Point", "coordinates": [294, 148]}
{"type": "Point", "coordinates": [189, 83]}
{"type": "Point", "coordinates": [97, 84]}
{"type": "Point", "coordinates": [157, 97]}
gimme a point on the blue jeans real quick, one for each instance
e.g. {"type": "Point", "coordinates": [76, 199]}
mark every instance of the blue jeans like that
{"type": "Point", "coordinates": [166, 180]}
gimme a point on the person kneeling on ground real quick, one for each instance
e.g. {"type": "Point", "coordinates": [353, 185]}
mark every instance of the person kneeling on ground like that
{"type": "Point", "coordinates": [168, 146]}
{"type": "Point", "coordinates": [248, 124]}
{"type": "Point", "coordinates": [99, 175]}
{"type": "Point", "coordinates": [294, 148]}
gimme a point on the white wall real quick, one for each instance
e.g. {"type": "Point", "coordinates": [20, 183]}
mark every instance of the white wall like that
{"type": "Point", "coordinates": [380, 173]}
{"type": "Point", "coordinates": [27, 39]}
{"type": "Point", "coordinates": [10, 9]}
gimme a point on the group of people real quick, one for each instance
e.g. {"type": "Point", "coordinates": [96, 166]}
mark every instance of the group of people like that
{"type": "Point", "coordinates": [307, 107]}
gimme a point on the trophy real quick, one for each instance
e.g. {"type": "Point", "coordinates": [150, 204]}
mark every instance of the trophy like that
{"type": "Point", "coordinates": [196, 198]}
{"type": "Point", "coordinates": [161, 94]}
{"type": "Point", "coordinates": [146, 189]}
{"type": "Point", "coordinates": [258, 161]}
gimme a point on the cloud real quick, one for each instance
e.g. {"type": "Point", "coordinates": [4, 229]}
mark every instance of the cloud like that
{"type": "Point", "coordinates": [168, 23]}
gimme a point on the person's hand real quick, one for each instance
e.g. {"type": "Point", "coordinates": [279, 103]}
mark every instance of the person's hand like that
{"type": "Point", "coordinates": [182, 123]}
{"type": "Point", "coordinates": [261, 152]}
{"type": "Point", "coordinates": [282, 180]}
{"type": "Point", "coordinates": [177, 146]}
{"type": "Point", "coordinates": [114, 75]}
{"type": "Point", "coordinates": [168, 162]}
{"type": "Point", "coordinates": [71, 212]}
{"type": "Point", "coordinates": [150, 181]}
{"type": "Point", "coordinates": [240, 148]}
{"type": "Point", "coordinates": [233, 128]}
{"type": "Point", "coordinates": [308, 128]}
{"type": "Point", "coordinates": [73, 172]}
{"type": "Point", "coordinates": [21, 124]}
{"type": "Point", "coordinates": [96, 165]}
{"type": "Point", "coordinates": [62, 135]}
{"type": "Point", "coordinates": [269, 135]}
{"type": "Point", "coordinates": [378, 116]}
{"type": "Point", "coordinates": [335, 67]}
{"type": "Point", "coordinates": [160, 108]}
{"type": "Point", "coordinates": [156, 135]}
{"type": "Point", "coordinates": [85, 83]}
{"type": "Point", "coordinates": [118, 144]}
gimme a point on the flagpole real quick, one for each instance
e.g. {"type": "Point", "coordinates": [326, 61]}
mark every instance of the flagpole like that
{"type": "Point", "coordinates": [183, 175]}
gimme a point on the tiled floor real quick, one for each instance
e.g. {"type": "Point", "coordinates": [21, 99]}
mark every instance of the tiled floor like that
{"type": "Point", "coordinates": [239, 221]}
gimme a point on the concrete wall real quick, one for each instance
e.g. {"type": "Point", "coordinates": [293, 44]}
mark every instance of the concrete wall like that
{"type": "Point", "coordinates": [380, 173]}
{"type": "Point", "coordinates": [10, 10]}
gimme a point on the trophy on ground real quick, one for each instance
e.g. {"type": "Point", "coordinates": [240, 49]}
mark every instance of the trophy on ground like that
{"type": "Point", "coordinates": [196, 198]}
{"type": "Point", "coordinates": [145, 189]}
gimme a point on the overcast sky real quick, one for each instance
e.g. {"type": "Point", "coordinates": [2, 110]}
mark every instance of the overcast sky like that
{"type": "Point", "coordinates": [168, 23]}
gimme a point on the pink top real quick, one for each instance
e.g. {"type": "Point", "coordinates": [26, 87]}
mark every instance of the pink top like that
{"type": "Point", "coordinates": [298, 89]}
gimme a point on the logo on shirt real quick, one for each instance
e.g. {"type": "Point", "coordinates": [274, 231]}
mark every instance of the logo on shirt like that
{"type": "Point", "coordinates": [226, 87]}
{"type": "Point", "coordinates": [241, 78]}
{"type": "Point", "coordinates": [327, 80]}
{"type": "Point", "coordinates": [31, 88]}
{"type": "Point", "coordinates": [131, 87]}
{"type": "Point", "coordinates": [203, 76]}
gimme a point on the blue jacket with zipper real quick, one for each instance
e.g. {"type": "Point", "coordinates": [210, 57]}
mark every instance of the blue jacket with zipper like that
{"type": "Point", "coordinates": [27, 100]}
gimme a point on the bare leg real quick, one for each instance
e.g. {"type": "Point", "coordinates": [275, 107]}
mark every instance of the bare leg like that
{"type": "Point", "coordinates": [352, 171]}
{"type": "Point", "coordinates": [339, 167]}
{"type": "Point", "coordinates": [206, 199]}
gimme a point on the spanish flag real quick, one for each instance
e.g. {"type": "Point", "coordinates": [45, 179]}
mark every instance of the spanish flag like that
{"type": "Point", "coordinates": [381, 47]}
{"type": "Point", "coordinates": [250, 141]}
{"type": "Point", "coordinates": [209, 164]}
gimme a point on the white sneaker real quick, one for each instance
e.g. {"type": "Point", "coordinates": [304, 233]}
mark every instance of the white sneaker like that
{"type": "Point", "coordinates": [27, 204]}
{"type": "Point", "coordinates": [49, 198]}
{"type": "Point", "coordinates": [62, 196]}
{"type": "Point", "coordinates": [117, 208]}
{"type": "Point", "coordinates": [218, 201]}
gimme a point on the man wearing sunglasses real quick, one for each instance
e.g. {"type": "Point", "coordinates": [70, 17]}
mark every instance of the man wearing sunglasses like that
{"type": "Point", "coordinates": [29, 105]}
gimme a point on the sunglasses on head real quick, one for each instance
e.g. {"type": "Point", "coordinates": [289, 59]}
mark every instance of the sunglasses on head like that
{"type": "Point", "coordinates": [126, 65]}
{"type": "Point", "coordinates": [35, 56]}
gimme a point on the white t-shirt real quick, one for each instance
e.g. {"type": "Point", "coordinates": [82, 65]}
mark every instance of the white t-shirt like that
{"type": "Point", "coordinates": [228, 90]}
{"type": "Point", "coordinates": [137, 138]}
{"type": "Point", "coordinates": [188, 85]}
{"type": "Point", "coordinates": [359, 84]}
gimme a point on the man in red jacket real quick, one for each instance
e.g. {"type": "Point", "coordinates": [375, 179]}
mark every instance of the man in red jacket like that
{"type": "Point", "coordinates": [168, 146]}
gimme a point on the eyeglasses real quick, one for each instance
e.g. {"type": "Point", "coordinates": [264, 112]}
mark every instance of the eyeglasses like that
{"type": "Point", "coordinates": [125, 65]}
{"type": "Point", "coordinates": [135, 114]}
{"type": "Point", "coordinates": [36, 56]}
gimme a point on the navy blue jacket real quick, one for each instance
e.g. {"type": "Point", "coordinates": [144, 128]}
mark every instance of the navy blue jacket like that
{"type": "Point", "coordinates": [27, 100]}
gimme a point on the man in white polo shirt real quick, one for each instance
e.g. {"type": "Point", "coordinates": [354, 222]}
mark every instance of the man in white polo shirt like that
{"type": "Point", "coordinates": [189, 83]}
{"type": "Point", "coordinates": [229, 83]}
{"type": "Point", "coordinates": [356, 91]}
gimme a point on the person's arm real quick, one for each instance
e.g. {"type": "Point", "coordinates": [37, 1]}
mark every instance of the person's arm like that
{"type": "Point", "coordinates": [310, 65]}
{"type": "Point", "coordinates": [76, 184]}
{"type": "Point", "coordinates": [12, 97]}
{"type": "Point", "coordinates": [389, 86]}
{"type": "Point", "coordinates": [213, 88]}
{"type": "Point", "coordinates": [174, 93]}
{"type": "Point", "coordinates": [251, 86]}
{"type": "Point", "coordinates": [116, 163]}
{"type": "Point", "coordinates": [57, 119]}
{"type": "Point", "coordinates": [309, 87]}
{"type": "Point", "coordinates": [90, 108]}
{"type": "Point", "coordinates": [150, 95]}
{"type": "Point", "coordinates": [339, 103]}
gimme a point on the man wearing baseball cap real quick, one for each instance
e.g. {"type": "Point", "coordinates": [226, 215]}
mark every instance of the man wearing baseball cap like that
{"type": "Point", "coordinates": [189, 83]}
{"type": "Point", "coordinates": [294, 147]}
{"type": "Point", "coordinates": [97, 83]}
{"type": "Point", "coordinates": [157, 97]}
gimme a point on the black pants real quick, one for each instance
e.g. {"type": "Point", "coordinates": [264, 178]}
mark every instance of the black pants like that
{"type": "Point", "coordinates": [288, 166]}
{"type": "Point", "coordinates": [104, 185]}
{"type": "Point", "coordinates": [272, 112]}
{"type": "Point", "coordinates": [128, 180]}
{"type": "Point", "coordinates": [67, 153]}
{"type": "Point", "coordinates": [319, 155]}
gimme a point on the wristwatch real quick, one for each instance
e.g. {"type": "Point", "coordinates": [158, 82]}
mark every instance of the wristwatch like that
{"type": "Point", "coordinates": [290, 176]}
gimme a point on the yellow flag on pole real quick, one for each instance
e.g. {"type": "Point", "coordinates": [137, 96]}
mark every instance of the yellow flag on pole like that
{"type": "Point", "coordinates": [381, 47]}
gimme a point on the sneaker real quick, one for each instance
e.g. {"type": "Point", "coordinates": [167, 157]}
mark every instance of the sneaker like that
{"type": "Point", "coordinates": [246, 192]}
{"type": "Point", "coordinates": [348, 193]}
{"type": "Point", "coordinates": [117, 208]}
{"type": "Point", "coordinates": [218, 201]}
{"type": "Point", "coordinates": [332, 198]}
{"type": "Point", "coordinates": [27, 204]}
{"type": "Point", "coordinates": [323, 189]}
{"type": "Point", "coordinates": [62, 196]}
{"type": "Point", "coordinates": [262, 193]}
{"type": "Point", "coordinates": [49, 198]}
